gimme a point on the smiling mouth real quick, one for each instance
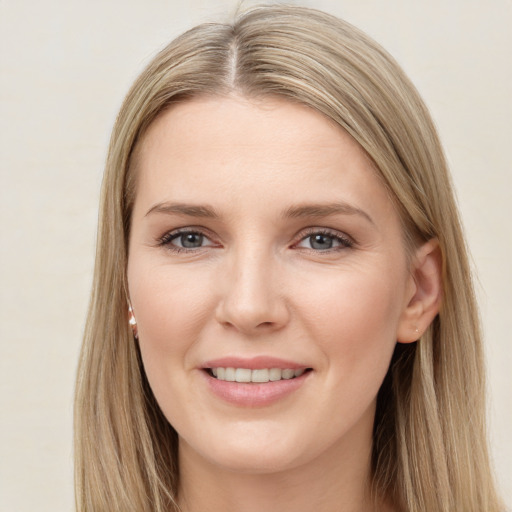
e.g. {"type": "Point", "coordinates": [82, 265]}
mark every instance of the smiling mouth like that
{"type": "Point", "coordinates": [258, 376]}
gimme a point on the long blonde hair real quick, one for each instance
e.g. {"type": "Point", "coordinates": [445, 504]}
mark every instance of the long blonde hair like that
{"type": "Point", "coordinates": [429, 450]}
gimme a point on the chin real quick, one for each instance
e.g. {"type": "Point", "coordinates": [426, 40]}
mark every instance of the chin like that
{"type": "Point", "coordinates": [254, 463]}
{"type": "Point", "coordinates": [247, 454]}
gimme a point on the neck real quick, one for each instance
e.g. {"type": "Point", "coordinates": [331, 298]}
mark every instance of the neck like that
{"type": "Point", "coordinates": [335, 481]}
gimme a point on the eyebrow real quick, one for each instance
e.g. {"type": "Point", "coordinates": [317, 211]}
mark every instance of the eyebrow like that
{"type": "Point", "coordinates": [294, 212]}
{"type": "Point", "coordinates": [184, 209]}
{"type": "Point", "coordinates": [325, 210]}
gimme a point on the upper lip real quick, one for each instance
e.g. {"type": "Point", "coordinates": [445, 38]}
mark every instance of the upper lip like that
{"type": "Point", "coordinates": [253, 363]}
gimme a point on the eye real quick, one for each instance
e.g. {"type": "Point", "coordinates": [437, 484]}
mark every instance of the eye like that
{"type": "Point", "coordinates": [324, 241]}
{"type": "Point", "coordinates": [189, 240]}
{"type": "Point", "coordinates": [185, 240]}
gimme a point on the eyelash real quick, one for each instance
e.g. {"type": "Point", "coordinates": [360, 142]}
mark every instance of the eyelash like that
{"type": "Point", "coordinates": [344, 241]}
{"type": "Point", "coordinates": [167, 239]}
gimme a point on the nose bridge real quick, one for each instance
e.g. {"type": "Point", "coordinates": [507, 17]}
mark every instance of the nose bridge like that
{"type": "Point", "coordinates": [253, 277]}
{"type": "Point", "coordinates": [252, 299]}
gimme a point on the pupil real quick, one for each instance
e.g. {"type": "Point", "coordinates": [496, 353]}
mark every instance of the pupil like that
{"type": "Point", "coordinates": [191, 240]}
{"type": "Point", "coordinates": [321, 242]}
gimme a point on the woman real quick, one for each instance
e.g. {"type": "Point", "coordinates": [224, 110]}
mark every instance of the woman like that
{"type": "Point", "coordinates": [276, 215]}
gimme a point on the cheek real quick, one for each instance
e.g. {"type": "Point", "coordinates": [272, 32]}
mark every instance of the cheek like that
{"type": "Point", "coordinates": [171, 307]}
{"type": "Point", "coordinates": [352, 304]}
{"type": "Point", "coordinates": [354, 327]}
{"type": "Point", "coordinates": [354, 320]}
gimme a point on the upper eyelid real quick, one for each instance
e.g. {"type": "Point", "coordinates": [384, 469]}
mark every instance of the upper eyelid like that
{"type": "Point", "coordinates": [335, 233]}
{"type": "Point", "coordinates": [186, 229]}
{"type": "Point", "coordinates": [166, 240]}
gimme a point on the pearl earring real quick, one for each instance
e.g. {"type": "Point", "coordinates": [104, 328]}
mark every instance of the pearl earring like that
{"type": "Point", "coordinates": [132, 322]}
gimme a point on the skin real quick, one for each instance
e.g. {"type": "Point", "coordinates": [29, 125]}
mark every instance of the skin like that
{"type": "Point", "coordinates": [257, 284]}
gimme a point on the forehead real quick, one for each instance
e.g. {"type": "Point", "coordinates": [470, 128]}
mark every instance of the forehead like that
{"type": "Point", "coordinates": [223, 149]}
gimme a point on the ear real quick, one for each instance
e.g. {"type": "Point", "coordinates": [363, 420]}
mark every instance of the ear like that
{"type": "Point", "coordinates": [424, 291]}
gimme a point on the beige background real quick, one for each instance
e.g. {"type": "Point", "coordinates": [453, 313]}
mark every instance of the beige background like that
{"type": "Point", "coordinates": [65, 67]}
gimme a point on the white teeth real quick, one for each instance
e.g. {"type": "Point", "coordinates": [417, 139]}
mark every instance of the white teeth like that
{"type": "Point", "coordinates": [274, 374]}
{"type": "Point", "coordinates": [288, 374]}
{"type": "Point", "coordinates": [243, 375]}
{"type": "Point", "coordinates": [260, 375]}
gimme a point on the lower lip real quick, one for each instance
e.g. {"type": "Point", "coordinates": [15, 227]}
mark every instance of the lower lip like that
{"type": "Point", "coordinates": [254, 394]}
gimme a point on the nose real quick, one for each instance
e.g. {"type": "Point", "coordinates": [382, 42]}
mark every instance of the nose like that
{"type": "Point", "coordinates": [252, 299]}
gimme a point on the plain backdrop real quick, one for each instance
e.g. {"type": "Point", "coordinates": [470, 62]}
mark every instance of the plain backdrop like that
{"type": "Point", "coordinates": [65, 67]}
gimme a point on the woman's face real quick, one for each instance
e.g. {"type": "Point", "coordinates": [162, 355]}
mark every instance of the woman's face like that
{"type": "Point", "coordinates": [263, 242]}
